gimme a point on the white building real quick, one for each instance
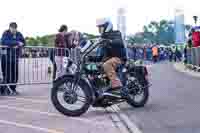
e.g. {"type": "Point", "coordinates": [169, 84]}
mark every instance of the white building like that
{"type": "Point", "coordinates": [121, 21]}
{"type": "Point", "coordinates": [179, 27]}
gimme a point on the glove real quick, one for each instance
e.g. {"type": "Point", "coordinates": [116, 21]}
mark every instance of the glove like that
{"type": "Point", "coordinates": [94, 58]}
{"type": "Point", "coordinates": [91, 58]}
{"type": "Point", "coordinates": [107, 41]}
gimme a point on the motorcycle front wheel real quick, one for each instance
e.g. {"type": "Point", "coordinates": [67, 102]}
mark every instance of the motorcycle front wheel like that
{"type": "Point", "coordinates": [70, 98]}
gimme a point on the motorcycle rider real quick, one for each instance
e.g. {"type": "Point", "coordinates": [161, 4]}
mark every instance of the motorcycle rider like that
{"type": "Point", "coordinates": [112, 53]}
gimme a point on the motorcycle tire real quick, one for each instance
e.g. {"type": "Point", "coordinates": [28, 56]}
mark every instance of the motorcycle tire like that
{"type": "Point", "coordinates": [131, 98]}
{"type": "Point", "coordinates": [62, 109]}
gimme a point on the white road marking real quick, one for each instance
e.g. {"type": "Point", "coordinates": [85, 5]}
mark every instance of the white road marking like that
{"type": "Point", "coordinates": [53, 115]}
{"type": "Point", "coordinates": [43, 97]}
{"type": "Point", "coordinates": [37, 101]}
{"type": "Point", "coordinates": [116, 121]}
{"type": "Point", "coordinates": [131, 126]}
{"type": "Point", "coordinates": [29, 126]}
{"type": "Point", "coordinates": [93, 121]}
{"type": "Point", "coordinates": [29, 110]}
{"type": "Point", "coordinates": [28, 100]}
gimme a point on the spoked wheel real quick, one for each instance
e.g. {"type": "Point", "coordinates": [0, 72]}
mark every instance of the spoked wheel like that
{"type": "Point", "coordinates": [138, 95]}
{"type": "Point", "coordinates": [70, 98]}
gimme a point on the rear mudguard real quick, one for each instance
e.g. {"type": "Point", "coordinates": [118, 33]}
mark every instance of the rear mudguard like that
{"type": "Point", "coordinates": [139, 73]}
{"type": "Point", "coordinates": [84, 81]}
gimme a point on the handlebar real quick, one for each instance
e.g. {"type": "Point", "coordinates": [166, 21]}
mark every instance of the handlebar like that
{"type": "Point", "coordinates": [94, 43]}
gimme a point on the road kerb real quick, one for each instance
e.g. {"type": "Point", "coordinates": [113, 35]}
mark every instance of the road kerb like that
{"type": "Point", "coordinates": [122, 121]}
{"type": "Point", "coordinates": [131, 126]}
{"type": "Point", "coordinates": [181, 68]}
{"type": "Point", "coordinates": [116, 121]}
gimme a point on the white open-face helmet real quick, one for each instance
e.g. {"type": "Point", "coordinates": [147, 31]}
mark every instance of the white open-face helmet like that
{"type": "Point", "coordinates": [104, 23]}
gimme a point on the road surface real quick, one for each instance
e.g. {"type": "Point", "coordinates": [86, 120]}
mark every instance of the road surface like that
{"type": "Point", "coordinates": [32, 112]}
{"type": "Point", "coordinates": [173, 105]}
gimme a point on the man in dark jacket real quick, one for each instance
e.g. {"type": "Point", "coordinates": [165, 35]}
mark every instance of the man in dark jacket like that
{"type": "Point", "coordinates": [113, 53]}
{"type": "Point", "coordinates": [13, 41]}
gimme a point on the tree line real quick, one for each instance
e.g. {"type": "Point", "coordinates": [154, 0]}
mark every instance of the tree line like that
{"type": "Point", "coordinates": [48, 40]}
{"type": "Point", "coordinates": [161, 32]}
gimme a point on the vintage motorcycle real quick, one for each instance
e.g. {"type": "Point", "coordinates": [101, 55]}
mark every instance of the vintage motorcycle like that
{"type": "Point", "coordinates": [86, 85]}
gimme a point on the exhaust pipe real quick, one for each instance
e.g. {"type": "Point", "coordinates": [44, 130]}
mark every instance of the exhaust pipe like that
{"type": "Point", "coordinates": [109, 95]}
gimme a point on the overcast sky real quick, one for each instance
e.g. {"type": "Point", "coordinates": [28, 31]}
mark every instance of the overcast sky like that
{"type": "Point", "coordinates": [40, 17]}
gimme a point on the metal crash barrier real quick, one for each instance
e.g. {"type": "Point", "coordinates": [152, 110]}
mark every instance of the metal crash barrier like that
{"type": "Point", "coordinates": [33, 65]}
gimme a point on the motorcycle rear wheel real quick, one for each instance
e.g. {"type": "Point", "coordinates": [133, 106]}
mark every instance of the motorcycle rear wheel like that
{"type": "Point", "coordinates": [141, 103]}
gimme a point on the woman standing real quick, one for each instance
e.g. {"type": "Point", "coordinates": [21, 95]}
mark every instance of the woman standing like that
{"type": "Point", "coordinates": [61, 43]}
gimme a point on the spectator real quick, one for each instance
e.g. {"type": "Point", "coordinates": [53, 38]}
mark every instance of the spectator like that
{"type": "Point", "coordinates": [61, 42]}
{"type": "Point", "coordinates": [155, 53]}
{"type": "Point", "coordinates": [162, 54]}
{"type": "Point", "coordinates": [170, 53]}
{"type": "Point", "coordinates": [144, 53]}
{"type": "Point", "coordinates": [75, 39]}
{"type": "Point", "coordinates": [52, 59]}
{"type": "Point", "coordinates": [189, 52]}
{"type": "Point", "coordinates": [130, 52]}
{"type": "Point", "coordinates": [185, 55]}
{"type": "Point", "coordinates": [174, 53]}
{"type": "Point", "coordinates": [14, 40]}
{"type": "Point", "coordinates": [149, 54]}
{"type": "Point", "coordinates": [140, 52]}
{"type": "Point", "coordinates": [134, 53]}
{"type": "Point", "coordinates": [178, 55]}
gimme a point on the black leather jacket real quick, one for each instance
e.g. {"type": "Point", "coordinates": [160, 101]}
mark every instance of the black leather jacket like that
{"type": "Point", "coordinates": [113, 48]}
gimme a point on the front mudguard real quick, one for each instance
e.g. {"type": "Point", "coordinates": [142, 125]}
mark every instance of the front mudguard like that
{"type": "Point", "coordinates": [84, 81]}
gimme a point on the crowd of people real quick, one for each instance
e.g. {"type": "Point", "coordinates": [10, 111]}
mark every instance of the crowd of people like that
{"type": "Point", "coordinates": [154, 53]}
